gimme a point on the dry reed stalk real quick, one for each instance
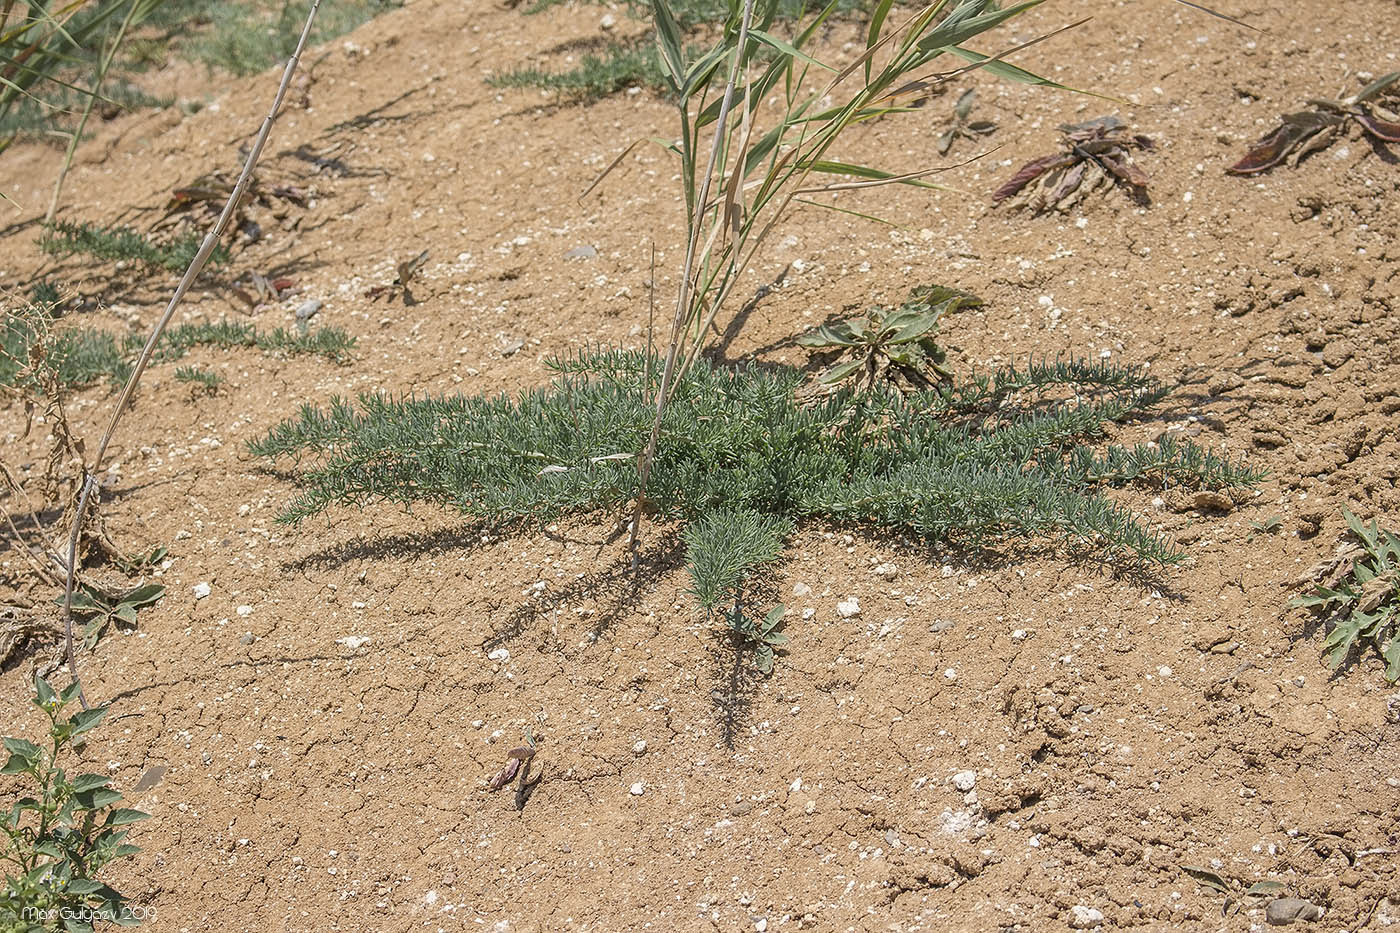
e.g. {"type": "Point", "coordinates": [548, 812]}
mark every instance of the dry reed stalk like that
{"type": "Point", "coordinates": [90, 484]}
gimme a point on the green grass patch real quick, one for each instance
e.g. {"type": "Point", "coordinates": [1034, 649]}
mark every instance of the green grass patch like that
{"type": "Point", "coordinates": [245, 38]}
{"type": "Point", "coordinates": [596, 76]}
{"type": "Point", "coordinates": [115, 244]}
{"type": "Point", "coordinates": [633, 62]}
{"type": "Point", "coordinates": [82, 356]}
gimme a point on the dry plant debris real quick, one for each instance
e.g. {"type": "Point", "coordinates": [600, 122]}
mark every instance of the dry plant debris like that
{"type": "Point", "coordinates": [406, 271]}
{"type": "Point", "coordinates": [1097, 153]}
{"type": "Point", "coordinates": [517, 768]}
{"type": "Point", "coordinates": [1375, 108]}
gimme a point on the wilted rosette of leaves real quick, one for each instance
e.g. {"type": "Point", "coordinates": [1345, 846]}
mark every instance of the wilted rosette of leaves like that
{"type": "Point", "coordinates": [1375, 108]}
{"type": "Point", "coordinates": [1098, 153]}
{"type": "Point", "coordinates": [893, 346]}
{"type": "Point", "coordinates": [1358, 594]}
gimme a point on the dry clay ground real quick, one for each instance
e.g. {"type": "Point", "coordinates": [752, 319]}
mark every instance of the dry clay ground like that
{"type": "Point", "coordinates": [323, 724]}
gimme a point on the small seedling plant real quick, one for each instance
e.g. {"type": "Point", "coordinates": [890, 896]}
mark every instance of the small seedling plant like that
{"type": "Point", "coordinates": [200, 380]}
{"type": "Point", "coordinates": [1358, 596]}
{"type": "Point", "coordinates": [759, 635]}
{"type": "Point", "coordinates": [1096, 154]}
{"type": "Point", "coordinates": [102, 609]}
{"type": "Point", "coordinates": [1375, 109]}
{"type": "Point", "coordinates": [1237, 896]}
{"type": "Point", "coordinates": [62, 832]}
{"type": "Point", "coordinates": [963, 126]}
{"type": "Point", "coordinates": [892, 346]}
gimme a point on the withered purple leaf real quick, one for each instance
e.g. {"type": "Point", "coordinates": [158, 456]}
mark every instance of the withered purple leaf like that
{"type": "Point", "coordinates": [1384, 130]}
{"type": "Point", "coordinates": [504, 776]}
{"type": "Point", "coordinates": [1273, 149]}
{"type": "Point", "coordinates": [1030, 172]}
{"type": "Point", "coordinates": [1375, 109]}
{"type": "Point", "coordinates": [1097, 154]}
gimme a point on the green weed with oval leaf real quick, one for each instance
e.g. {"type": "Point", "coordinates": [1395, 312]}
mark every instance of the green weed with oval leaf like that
{"type": "Point", "coordinates": [61, 832]}
{"type": "Point", "coordinates": [1357, 593]}
{"type": "Point", "coordinates": [893, 347]}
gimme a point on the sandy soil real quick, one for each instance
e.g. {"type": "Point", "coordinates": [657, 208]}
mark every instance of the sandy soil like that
{"type": "Point", "coordinates": [328, 717]}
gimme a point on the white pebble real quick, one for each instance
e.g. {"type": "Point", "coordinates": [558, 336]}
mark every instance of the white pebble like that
{"type": "Point", "coordinates": [1085, 918]}
{"type": "Point", "coordinates": [965, 780]}
{"type": "Point", "coordinates": [638, 789]}
{"type": "Point", "coordinates": [640, 747]}
{"type": "Point", "coordinates": [849, 608]}
{"type": "Point", "coordinates": [499, 654]}
{"type": "Point", "coordinates": [202, 590]}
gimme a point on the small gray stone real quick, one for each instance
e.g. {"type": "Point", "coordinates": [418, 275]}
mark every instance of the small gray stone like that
{"type": "Point", "coordinates": [848, 609]}
{"type": "Point", "coordinates": [307, 310]}
{"type": "Point", "coordinates": [965, 780]}
{"type": "Point", "coordinates": [582, 252]}
{"type": "Point", "coordinates": [1285, 910]}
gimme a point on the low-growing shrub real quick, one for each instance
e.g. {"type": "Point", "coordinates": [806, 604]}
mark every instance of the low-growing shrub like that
{"type": "Point", "coordinates": [740, 460]}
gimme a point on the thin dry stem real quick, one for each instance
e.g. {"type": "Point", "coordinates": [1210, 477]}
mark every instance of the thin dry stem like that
{"type": "Point", "coordinates": [683, 293]}
{"type": "Point", "coordinates": [101, 76]}
{"type": "Point", "coordinates": [90, 484]}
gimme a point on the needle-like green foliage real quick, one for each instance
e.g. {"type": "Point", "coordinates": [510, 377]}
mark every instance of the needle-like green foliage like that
{"type": "Point", "coordinates": [740, 460]}
{"type": "Point", "coordinates": [117, 243]}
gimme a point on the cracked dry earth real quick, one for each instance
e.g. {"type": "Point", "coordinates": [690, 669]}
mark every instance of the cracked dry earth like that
{"type": "Point", "coordinates": [1019, 742]}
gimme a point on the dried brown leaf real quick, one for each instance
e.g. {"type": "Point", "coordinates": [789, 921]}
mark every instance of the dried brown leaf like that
{"type": "Point", "coordinates": [1273, 149]}
{"type": "Point", "coordinates": [408, 267]}
{"type": "Point", "coordinates": [1377, 590]}
{"type": "Point", "coordinates": [1384, 130]}
{"type": "Point", "coordinates": [1123, 169]}
{"type": "Point", "coordinates": [1069, 183]}
{"type": "Point", "coordinates": [1030, 172]}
